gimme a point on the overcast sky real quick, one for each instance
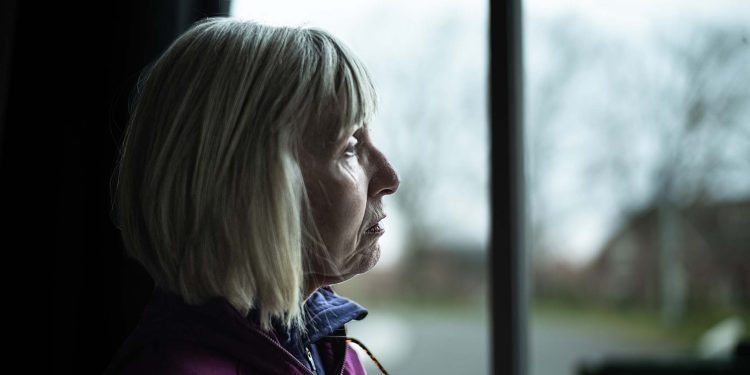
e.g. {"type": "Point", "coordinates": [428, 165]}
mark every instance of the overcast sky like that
{"type": "Point", "coordinates": [587, 211]}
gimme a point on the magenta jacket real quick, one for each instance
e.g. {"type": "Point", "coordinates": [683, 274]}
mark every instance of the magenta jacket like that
{"type": "Point", "coordinates": [214, 338]}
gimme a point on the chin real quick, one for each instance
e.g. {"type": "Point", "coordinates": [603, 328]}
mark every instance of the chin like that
{"type": "Point", "coordinates": [368, 259]}
{"type": "Point", "coordinates": [360, 264]}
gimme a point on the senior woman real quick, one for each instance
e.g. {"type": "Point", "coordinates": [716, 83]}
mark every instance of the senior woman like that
{"type": "Point", "coordinates": [247, 185]}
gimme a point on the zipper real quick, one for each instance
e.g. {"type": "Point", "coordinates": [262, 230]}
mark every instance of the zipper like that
{"type": "Point", "coordinates": [343, 360]}
{"type": "Point", "coordinates": [310, 358]}
{"type": "Point", "coordinates": [285, 351]}
{"type": "Point", "coordinates": [343, 363]}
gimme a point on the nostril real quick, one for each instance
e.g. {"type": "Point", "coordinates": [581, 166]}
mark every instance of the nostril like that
{"type": "Point", "coordinates": [385, 180]}
{"type": "Point", "coordinates": [385, 184]}
{"type": "Point", "coordinates": [390, 182]}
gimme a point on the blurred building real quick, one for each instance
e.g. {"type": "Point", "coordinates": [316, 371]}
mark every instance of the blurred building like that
{"type": "Point", "coordinates": [714, 243]}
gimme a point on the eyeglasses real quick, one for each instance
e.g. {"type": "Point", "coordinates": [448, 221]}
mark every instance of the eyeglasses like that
{"type": "Point", "coordinates": [361, 345]}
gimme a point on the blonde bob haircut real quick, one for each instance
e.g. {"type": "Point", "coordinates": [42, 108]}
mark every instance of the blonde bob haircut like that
{"type": "Point", "coordinates": [210, 197]}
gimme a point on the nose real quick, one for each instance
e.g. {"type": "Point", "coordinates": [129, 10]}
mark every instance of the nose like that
{"type": "Point", "coordinates": [384, 180]}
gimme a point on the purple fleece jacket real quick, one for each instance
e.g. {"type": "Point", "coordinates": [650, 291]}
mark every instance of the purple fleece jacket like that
{"type": "Point", "coordinates": [214, 338]}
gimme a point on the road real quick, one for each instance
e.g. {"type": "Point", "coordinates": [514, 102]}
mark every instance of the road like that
{"type": "Point", "coordinates": [410, 343]}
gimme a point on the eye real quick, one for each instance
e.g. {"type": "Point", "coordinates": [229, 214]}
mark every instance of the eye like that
{"type": "Point", "coordinates": [351, 147]}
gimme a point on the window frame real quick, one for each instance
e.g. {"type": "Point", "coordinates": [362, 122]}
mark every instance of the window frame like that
{"type": "Point", "coordinates": [507, 264]}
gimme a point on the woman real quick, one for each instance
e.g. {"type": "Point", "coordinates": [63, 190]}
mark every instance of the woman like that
{"type": "Point", "coordinates": [247, 185]}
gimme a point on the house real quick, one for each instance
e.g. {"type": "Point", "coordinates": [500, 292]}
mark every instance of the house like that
{"type": "Point", "coordinates": [710, 257]}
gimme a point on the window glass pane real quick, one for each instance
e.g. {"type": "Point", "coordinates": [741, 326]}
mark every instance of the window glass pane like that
{"type": "Point", "coordinates": [638, 166]}
{"type": "Point", "coordinates": [427, 295]}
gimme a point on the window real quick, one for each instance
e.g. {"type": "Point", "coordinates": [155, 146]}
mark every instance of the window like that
{"type": "Point", "coordinates": [638, 151]}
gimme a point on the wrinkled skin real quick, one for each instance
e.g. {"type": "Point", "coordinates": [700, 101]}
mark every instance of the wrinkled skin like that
{"type": "Point", "coordinates": [346, 177]}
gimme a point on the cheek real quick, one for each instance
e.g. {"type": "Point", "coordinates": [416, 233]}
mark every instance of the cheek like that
{"type": "Point", "coordinates": [348, 209]}
{"type": "Point", "coordinates": [339, 205]}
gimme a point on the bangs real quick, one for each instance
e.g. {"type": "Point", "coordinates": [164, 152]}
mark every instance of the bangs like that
{"type": "Point", "coordinates": [346, 92]}
{"type": "Point", "coordinates": [357, 101]}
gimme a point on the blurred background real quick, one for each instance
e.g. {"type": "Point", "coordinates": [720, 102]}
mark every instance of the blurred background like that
{"type": "Point", "coordinates": [637, 121]}
{"type": "Point", "coordinates": [428, 295]}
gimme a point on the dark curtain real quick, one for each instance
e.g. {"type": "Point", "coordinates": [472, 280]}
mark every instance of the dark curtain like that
{"type": "Point", "coordinates": [68, 69]}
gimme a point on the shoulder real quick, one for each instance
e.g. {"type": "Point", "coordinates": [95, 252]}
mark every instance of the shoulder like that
{"type": "Point", "coordinates": [178, 358]}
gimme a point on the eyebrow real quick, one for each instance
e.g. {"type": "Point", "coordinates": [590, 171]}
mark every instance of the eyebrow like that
{"type": "Point", "coordinates": [351, 129]}
{"type": "Point", "coordinates": [334, 145]}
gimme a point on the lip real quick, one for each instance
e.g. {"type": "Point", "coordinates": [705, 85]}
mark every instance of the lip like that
{"type": "Point", "coordinates": [376, 227]}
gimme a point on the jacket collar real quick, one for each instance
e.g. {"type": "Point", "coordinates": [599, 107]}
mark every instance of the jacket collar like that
{"type": "Point", "coordinates": [325, 313]}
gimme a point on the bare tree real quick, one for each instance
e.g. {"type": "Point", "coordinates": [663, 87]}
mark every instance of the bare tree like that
{"type": "Point", "coordinates": [688, 98]}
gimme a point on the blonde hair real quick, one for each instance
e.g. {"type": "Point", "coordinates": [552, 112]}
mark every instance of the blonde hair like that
{"type": "Point", "coordinates": [210, 197]}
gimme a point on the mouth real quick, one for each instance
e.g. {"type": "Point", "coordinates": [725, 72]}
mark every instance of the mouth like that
{"type": "Point", "coordinates": [376, 228]}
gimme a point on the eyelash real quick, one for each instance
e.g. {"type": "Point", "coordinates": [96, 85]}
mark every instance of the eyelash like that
{"type": "Point", "coordinates": [351, 150]}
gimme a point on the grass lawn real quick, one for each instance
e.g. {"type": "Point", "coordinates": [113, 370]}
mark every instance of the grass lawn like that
{"type": "Point", "coordinates": [640, 323]}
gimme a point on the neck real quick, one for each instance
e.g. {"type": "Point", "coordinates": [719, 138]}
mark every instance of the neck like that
{"type": "Point", "coordinates": [309, 291]}
{"type": "Point", "coordinates": [311, 285]}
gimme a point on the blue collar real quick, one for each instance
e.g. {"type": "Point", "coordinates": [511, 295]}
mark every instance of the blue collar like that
{"type": "Point", "coordinates": [325, 312]}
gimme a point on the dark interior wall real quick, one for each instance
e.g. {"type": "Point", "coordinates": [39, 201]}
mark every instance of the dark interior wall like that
{"type": "Point", "coordinates": [67, 71]}
{"type": "Point", "coordinates": [7, 28]}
